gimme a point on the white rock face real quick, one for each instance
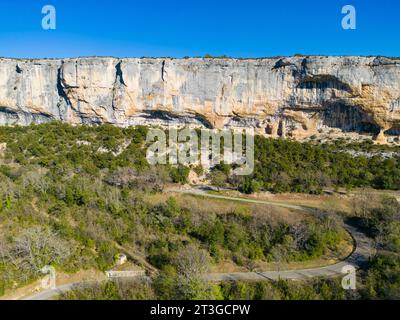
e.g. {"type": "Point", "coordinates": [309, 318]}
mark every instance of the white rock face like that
{"type": "Point", "coordinates": [296, 96]}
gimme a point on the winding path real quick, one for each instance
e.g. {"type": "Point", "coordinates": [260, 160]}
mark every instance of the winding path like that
{"type": "Point", "coordinates": [362, 251]}
{"type": "Point", "coordinates": [52, 293]}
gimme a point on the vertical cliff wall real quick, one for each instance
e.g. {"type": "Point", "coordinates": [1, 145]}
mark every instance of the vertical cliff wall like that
{"type": "Point", "coordinates": [294, 96]}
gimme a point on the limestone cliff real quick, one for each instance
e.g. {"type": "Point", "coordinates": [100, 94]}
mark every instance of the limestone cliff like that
{"type": "Point", "coordinates": [294, 96]}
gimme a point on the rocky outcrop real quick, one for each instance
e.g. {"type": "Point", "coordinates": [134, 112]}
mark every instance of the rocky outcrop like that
{"type": "Point", "coordinates": [293, 97]}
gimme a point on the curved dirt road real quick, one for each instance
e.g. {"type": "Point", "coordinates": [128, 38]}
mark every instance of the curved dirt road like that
{"type": "Point", "coordinates": [363, 250]}
{"type": "Point", "coordinates": [52, 293]}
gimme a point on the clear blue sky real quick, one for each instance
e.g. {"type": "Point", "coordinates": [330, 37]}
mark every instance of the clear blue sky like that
{"type": "Point", "coordinates": [247, 28]}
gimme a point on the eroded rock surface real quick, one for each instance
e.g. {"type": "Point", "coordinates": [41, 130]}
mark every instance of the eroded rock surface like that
{"type": "Point", "coordinates": [294, 97]}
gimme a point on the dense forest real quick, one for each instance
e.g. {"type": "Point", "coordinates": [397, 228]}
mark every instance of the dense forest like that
{"type": "Point", "coordinates": [311, 167]}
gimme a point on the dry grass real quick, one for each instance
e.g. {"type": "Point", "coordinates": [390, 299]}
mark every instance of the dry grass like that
{"type": "Point", "coordinates": [339, 202]}
{"type": "Point", "coordinates": [204, 206]}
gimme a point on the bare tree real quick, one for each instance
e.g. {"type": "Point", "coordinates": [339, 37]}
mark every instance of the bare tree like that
{"type": "Point", "coordinates": [122, 177]}
{"type": "Point", "coordinates": [301, 233]}
{"type": "Point", "coordinates": [36, 179]}
{"type": "Point", "coordinates": [236, 181]}
{"type": "Point", "coordinates": [37, 247]}
{"type": "Point", "coordinates": [153, 178]}
{"type": "Point", "coordinates": [192, 261]}
{"type": "Point", "coordinates": [362, 203]}
{"type": "Point", "coordinates": [280, 255]}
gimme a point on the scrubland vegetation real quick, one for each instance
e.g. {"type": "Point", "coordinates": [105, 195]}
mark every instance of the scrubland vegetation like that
{"type": "Point", "coordinates": [290, 166]}
{"type": "Point", "coordinates": [380, 279]}
{"type": "Point", "coordinates": [75, 197]}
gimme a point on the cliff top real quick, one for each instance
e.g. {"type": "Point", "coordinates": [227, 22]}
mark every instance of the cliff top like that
{"type": "Point", "coordinates": [207, 57]}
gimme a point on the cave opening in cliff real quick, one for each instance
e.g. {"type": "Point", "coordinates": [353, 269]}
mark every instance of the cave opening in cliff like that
{"type": "Point", "coordinates": [323, 82]}
{"type": "Point", "coordinates": [349, 118]}
{"type": "Point", "coordinates": [9, 116]}
{"type": "Point", "coordinates": [168, 117]}
{"type": "Point", "coordinates": [394, 131]}
{"type": "Point", "coordinates": [281, 129]}
{"type": "Point", "coordinates": [268, 129]}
